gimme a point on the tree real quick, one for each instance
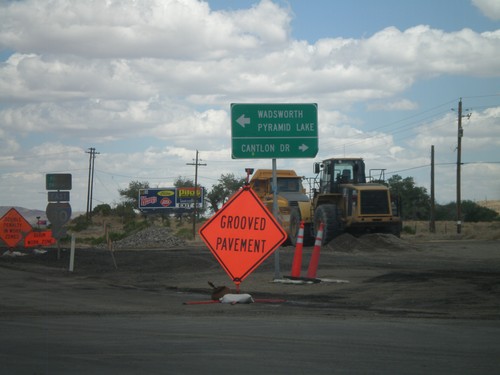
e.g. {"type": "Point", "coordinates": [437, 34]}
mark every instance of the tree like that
{"type": "Point", "coordinates": [180, 214]}
{"type": "Point", "coordinates": [183, 182]}
{"type": "Point", "coordinates": [414, 199]}
{"type": "Point", "coordinates": [131, 195]}
{"type": "Point", "coordinates": [219, 194]}
{"type": "Point", "coordinates": [125, 210]}
{"type": "Point", "coordinates": [446, 211]}
{"type": "Point", "coordinates": [471, 212]}
{"type": "Point", "coordinates": [104, 209]}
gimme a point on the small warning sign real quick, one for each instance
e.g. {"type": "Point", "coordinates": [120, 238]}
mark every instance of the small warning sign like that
{"type": "Point", "coordinates": [39, 238]}
{"type": "Point", "coordinates": [242, 234]}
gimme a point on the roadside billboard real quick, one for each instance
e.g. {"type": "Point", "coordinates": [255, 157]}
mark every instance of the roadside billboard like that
{"type": "Point", "coordinates": [171, 197]}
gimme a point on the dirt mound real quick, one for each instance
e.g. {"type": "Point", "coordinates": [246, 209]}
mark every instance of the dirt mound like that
{"type": "Point", "coordinates": [369, 242]}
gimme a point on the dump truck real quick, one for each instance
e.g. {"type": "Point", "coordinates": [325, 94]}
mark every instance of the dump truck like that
{"type": "Point", "coordinates": [341, 199]}
{"type": "Point", "coordinates": [293, 202]}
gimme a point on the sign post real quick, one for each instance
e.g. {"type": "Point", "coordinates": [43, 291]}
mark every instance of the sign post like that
{"type": "Point", "coordinates": [282, 130]}
{"type": "Point", "coordinates": [242, 234]}
{"type": "Point", "coordinates": [274, 130]}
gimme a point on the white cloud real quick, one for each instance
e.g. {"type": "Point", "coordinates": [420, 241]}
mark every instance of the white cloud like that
{"type": "Point", "coordinates": [400, 105]}
{"type": "Point", "coordinates": [490, 8]}
{"type": "Point", "coordinates": [158, 28]}
{"type": "Point", "coordinates": [161, 74]}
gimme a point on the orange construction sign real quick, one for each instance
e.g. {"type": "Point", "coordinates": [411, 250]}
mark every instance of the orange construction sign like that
{"type": "Point", "coordinates": [242, 234]}
{"type": "Point", "coordinates": [39, 238]}
{"type": "Point", "coordinates": [13, 227]}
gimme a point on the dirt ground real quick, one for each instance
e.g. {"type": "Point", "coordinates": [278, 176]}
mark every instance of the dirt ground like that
{"type": "Point", "coordinates": [374, 276]}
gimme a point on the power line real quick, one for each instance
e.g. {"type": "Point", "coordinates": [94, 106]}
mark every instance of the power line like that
{"type": "Point", "coordinates": [481, 96]}
{"type": "Point", "coordinates": [38, 156]}
{"type": "Point", "coordinates": [410, 125]}
{"type": "Point", "coordinates": [418, 119]}
{"type": "Point", "coordinates": [482, 162]}
{"type": "Point", "coordinates": [139, 177]}
{"type": "Point", "coordinates": [449, 163]}
{"type": "Point", "coordinates": [409, 169]}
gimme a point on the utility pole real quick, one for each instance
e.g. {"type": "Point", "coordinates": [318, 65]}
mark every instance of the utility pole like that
{"type": "Point", "coordinates": [459, 164]}
{"type": "Point", "coordinates": [195, 208]}
{"type": "Point", "coordinates": [90, 189]}
{"type": "Point", "coordinates": [432, 224]}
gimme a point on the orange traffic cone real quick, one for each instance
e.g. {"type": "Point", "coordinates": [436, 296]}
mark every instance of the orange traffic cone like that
{"type": "Point", "coordinates": [297, 258]}
{"type": "Point", "coordinates": [313, 263]}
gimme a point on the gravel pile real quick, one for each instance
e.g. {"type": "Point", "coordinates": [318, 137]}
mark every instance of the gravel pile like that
{"type": "Point", "coordinates": [152, 237]}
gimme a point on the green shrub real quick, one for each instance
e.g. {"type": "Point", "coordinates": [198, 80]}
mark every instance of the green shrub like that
{"type": "Point", "coordinates": [80, 223]}
{"type": "Point", "coordinates": [135, 226]}
{"type": "Point", "coordinates": [409, 230]}
{"type": "Point", "coordinates": [185, 233]}
{"type": "Point", "coordinates": [114, 236]}
{"type": "Point", "coordinates": [103, 209]}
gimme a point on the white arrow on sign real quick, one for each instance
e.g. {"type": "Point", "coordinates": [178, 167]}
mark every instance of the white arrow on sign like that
{"type": "Point", "coordinates": [242, 120]}
{"type": "Point", "coordinates": [303, 147]}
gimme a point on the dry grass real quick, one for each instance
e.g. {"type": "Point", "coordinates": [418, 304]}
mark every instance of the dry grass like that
{"type": "Point", "coordinates": [444, 229]}
{"type": "Point", "coordinates": [116, 224]}
{"type": "Point", "coordinates": [448, 230]}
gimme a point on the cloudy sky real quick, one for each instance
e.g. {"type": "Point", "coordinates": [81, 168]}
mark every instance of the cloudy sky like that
{"type": "Point", "coordinates": [147, 83]}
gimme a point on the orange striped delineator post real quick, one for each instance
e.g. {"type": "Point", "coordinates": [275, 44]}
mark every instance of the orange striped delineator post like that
{"type": "Point", "coordinates": [313, 263]}
{"type": "Point", "coordinates": [297, 258]}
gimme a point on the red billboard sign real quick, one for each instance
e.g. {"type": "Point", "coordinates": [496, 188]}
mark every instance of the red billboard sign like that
{"type": "Point", "coordinates": [242, 234]}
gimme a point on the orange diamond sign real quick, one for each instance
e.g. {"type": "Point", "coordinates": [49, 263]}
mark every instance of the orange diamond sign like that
{"type": "Point", "coordinates": [242, 234]}
{"type": "Point", "coordinates": [13, 226]}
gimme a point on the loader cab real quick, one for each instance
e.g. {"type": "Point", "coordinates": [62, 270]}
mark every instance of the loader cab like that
{"type": "Point", "coordinates": [336, 172]}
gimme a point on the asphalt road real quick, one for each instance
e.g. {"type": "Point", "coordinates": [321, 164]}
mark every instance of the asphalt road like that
{"type": "Point", "coordinates": [231, 344]}
{"type": "Point", "coordinates": [406, 308]}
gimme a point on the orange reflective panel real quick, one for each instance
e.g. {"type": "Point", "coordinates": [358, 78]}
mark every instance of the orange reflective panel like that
{"type": "Point", "coordinates": [242, 234]}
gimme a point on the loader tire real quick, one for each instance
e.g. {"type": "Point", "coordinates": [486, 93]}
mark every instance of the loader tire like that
{"type": "Point", "coordinates": [327, 214]}
{"type": "Point", "coordinates": [294, 225]}
{"type": "Point", "coordinates": [295, 219]}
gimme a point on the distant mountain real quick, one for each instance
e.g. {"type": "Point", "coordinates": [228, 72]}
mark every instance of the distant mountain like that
{"type": "Point", "coordinates": [29, 215]}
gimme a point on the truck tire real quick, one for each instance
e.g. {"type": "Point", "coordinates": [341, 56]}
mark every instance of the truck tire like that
{"type": "Point", "coordinates": [294, 225]}
{"type": "Point", "coordinates": [327, 214]}
{"type": "Point", "coordinates": [295, 219]}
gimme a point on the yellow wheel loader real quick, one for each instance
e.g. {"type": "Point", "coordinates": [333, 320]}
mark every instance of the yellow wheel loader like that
{"type": "Point", "coordinates": [344, 201]}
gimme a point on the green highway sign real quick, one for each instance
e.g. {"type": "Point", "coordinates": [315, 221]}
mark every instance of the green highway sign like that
{"type": "Point", "coordinates": [58, 181]}
{"type": "Point", "coordinates": [274, 130]}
